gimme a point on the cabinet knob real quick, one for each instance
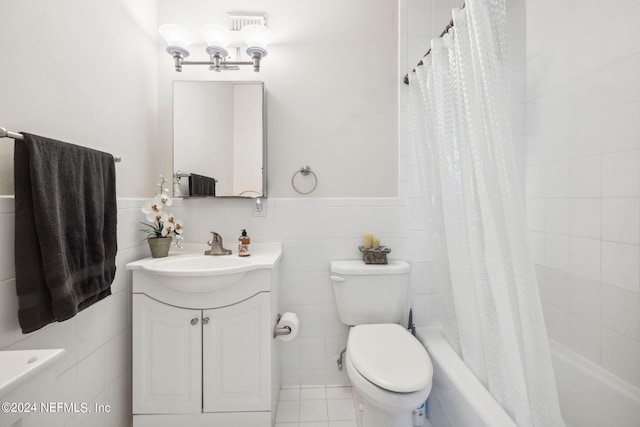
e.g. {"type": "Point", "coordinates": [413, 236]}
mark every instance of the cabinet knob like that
{"type": "Point", "coordinates": [205, 320]}
{"type": "Point", "coordinates": [194, 321]}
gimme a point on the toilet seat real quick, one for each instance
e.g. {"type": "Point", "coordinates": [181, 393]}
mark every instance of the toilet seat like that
{"type": "Point", "coordinates": [388, 356]}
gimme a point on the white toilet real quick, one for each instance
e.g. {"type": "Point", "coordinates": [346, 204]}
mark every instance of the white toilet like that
{"type": "Point", "coordinates": [387, 365]}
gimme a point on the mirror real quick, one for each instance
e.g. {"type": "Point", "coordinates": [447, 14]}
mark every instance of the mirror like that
{"type": "Point", "coordinates": [219, 139]}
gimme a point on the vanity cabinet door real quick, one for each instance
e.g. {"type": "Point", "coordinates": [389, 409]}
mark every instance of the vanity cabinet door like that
{"type": "Point", "coordinates": [167, 349]}
{"type": "Point", "coordinates": [237, 356]}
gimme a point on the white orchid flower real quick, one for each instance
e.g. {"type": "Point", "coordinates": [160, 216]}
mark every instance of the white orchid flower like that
{"type": "Point", "coordinates": [163, 199]}
{"type": "Point", "coordinates": [178, 227]}
{"type": "Point", "coordinates": [151, 207]}
{"type": "Point", "coordinates": [168, 228]}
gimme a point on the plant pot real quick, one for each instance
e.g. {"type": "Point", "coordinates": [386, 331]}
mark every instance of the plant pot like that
{"type": "Point", "coordinates": [159, 246]}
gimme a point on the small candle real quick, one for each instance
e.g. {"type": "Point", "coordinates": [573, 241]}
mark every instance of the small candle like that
{"type": "Point", "coordinates": [368, 240]}
{"type": "Point", "coordinates": [375, 243]}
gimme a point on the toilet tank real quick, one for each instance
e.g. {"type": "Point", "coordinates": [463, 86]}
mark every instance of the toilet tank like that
{"type": "Point", "coordinates": [370, 293]}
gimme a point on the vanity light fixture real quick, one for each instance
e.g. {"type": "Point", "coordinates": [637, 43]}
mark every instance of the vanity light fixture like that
{"type": "Point", "coordinates": [249, 30]}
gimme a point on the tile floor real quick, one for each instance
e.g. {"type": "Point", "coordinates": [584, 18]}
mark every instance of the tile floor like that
{"type": "Point", "coordinates": [316, 407]}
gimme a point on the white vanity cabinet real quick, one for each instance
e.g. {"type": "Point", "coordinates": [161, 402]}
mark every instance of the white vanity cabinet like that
{"type": "Point", "coordinates": [205, 358]}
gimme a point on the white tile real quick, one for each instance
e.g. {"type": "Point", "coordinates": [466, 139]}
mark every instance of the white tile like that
{"type": "Point", "coordinates": [313, 393]}
{"type": "Point", "coordinates": [339, 393]}
{"type": "Point", "coordinates": [585, 258]}
{"type": "Point", "coordinates": [290, 378]}
{"type": "Point", "coordinates": [620, 85]}
{"type": "Point", "coordinates": [585, 298]}
{"type": "Point", "coordinates": [10, 331]}
{"type": "Point", "coordinates": [559, 179]}
{"type": "Point", "coordinates": [584, 136]}
{"type": "Point", "coordinates": [621, 265]}
{"type": "Point", "coordinates": [621, 174]}
{"type": "Point", "coordinates": [616, 8]}
{"type": "Point", "coordinates": [341, 409]}
{"type": "Point", "coordinates": [535, 181]}
{"type": "Point", "coordinates": [585, 177]}
{"type": "Point", "coordinates": [312, 377]}
{"type": "Point", "coordinates": [621, 128]}
{"type": "Point", "coordinates": [7, 247]}
{"type": "Point", "coordinates": [556, 218]}
{"type": "Point", "coordinates": [312, 352]}
{"type": "Point", "coordinates": [535, 214]}
{"type": "Point", "coordinates": [537, 247]}
{"type": "Point", "coordinates": [314, 424]}
{"type": "Point", "coordinates": [585, 218]}
{"type": "Point", "coordinates": [119, 397]}
{"type": "Point", "coordinates": [621, 311]}
{"type": "Point", "coordinates": [62, 335]}
{"type": "Point", "coordinates": [118, 356]}
{"type": "Point", "coordinates": [349, 423]}
{"type": "Point", "coordinates": [313, 410]}
{"type": "Point", "coordinates": [557, 250]}
{"type": "Point", "coordinates": [92, 374]}
{"type": "Point", "coordinates": [335, 378]}
{"type": "Point", "coordinates": [292, 393]}
{"type": "Point", "coordinates": [118, 315]}
{"type": "Point", "coordinates": [621, 220]}
{"type": "Point", "coordinates": [288, 411]}
{"type": "Point", "coordinates": [92, 329]}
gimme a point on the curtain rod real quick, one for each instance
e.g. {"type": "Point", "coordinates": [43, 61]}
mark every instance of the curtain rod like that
{"type": "Point", "coordinates": [445, 31]}
{"type": "Point", "coordinates": [14, 135]}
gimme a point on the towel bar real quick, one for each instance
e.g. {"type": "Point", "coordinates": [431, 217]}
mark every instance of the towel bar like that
{"type": "Point", "coordinates": [14, 135]}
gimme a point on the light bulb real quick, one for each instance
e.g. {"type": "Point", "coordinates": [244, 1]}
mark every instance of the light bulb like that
{"type": "Point", "coordinates": [257, 37]}
{"type": "Point", "coordinates": [178, 38]}
{"type": "Point", "coordinates": [217, 38]}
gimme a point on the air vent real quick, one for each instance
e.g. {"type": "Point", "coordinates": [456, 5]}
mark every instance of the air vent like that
{"type": "Point", "coordinates": [237, 20]}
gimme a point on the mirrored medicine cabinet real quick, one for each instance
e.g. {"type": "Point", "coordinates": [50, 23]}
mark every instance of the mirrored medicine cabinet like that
{"type": "Point", "coordinates": [219, 139]}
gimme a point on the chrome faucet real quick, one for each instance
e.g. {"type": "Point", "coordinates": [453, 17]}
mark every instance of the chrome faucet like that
{"type": "Point", "coordinates": [216, 245]}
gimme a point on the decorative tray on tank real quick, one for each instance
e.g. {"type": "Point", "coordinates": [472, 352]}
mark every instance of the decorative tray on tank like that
{"type": "Point", "coordinates": [375, 255]}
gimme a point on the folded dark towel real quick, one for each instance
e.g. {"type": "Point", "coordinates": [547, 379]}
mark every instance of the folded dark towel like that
{"type": "Point", "coordinates": [65, 231]}
{"type": "Point", "coordinates": [200, 185]}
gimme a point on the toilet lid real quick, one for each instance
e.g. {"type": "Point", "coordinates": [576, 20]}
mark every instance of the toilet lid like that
{"type": "Point", "coordinates": [390, 357]}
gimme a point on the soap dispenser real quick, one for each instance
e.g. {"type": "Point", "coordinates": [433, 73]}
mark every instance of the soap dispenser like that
{"type": "Point", "coordinates": [243, 247]}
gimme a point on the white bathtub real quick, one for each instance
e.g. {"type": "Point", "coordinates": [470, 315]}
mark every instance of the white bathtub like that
{"type": "Point", "coordinates": [457, 398]}
{"type": "Point", "coordinates": [589, 396]}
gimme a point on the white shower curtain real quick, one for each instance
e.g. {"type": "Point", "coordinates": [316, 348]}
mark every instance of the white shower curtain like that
{"type": "Point", "coordinates": [492, 311]}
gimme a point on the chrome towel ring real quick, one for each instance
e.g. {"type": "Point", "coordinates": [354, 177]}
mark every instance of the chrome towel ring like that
{"type": "Point", "coordinates": [304, 171]}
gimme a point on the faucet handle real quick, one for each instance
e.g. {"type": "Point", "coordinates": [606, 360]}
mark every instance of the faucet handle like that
{"type": "Point", "coordinates": [215, 238]}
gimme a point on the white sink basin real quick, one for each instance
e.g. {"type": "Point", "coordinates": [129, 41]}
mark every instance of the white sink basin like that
{"type": "Point", "coordinates": [199, 265]}
{"type": "Point", "coordinates": [18, 367]}
{"type": "Point", "coordinates": [195, 272]}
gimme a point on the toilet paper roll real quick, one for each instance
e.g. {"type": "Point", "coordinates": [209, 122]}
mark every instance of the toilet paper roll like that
{"type": "Point", "coordinates": [289, 320]}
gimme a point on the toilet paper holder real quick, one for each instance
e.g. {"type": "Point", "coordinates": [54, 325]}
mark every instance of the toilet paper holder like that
{"type": "Point", "coordinates": [280, 331]}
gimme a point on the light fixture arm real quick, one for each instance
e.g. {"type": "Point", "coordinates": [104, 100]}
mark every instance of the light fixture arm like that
{"type": "Point", "coordinates": [217, 64]}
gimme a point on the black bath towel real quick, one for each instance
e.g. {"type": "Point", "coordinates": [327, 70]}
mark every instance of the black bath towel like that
{"type": "Point", "coordinates": [200, 185]}
{"type": "Point", "coordinates": [65, 229]}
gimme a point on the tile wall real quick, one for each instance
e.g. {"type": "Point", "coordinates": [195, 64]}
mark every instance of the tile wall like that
{"type": "Point", "coordinates": [96, 367]}
{"type": "Point", "coordinates": [583, 175]}
{"type": "Point", "coordinates": [313, 232]}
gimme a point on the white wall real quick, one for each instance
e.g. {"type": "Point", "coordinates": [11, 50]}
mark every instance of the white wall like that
{"type": "Point", "coordinates": [331, 83]}
{"type": "Point", "coordinates": [583, 175]}
{"type": "Point", "coordinates": [83, 72]}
